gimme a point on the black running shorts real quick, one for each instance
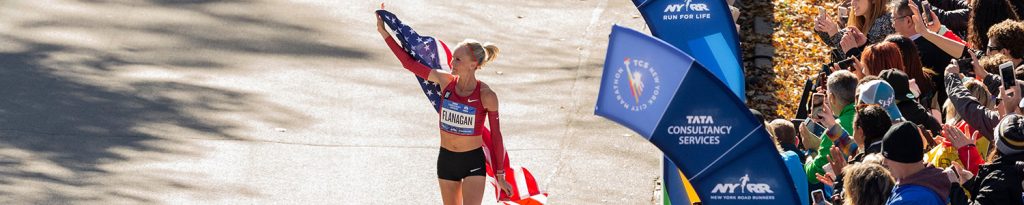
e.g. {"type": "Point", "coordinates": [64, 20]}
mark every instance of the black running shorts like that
{"type": "Point", "coordinates": [455, 166]}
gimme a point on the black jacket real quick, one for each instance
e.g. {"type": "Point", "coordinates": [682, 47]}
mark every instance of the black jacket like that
{"type": "Point", "coordinates": [931, 55]}
{"type": "Point", "coordinates": [872, 147]}
{"type": "Point", "coordinates": [975, 114]}
{"type": "Point", "coordinates": [998, 182]}
{"type": "Point", "coordinates": [914, 112]}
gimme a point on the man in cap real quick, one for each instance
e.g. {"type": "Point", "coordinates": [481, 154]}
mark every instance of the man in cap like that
{"type": "Point", "coordinates": [880, 93]}
{"type": "Point", "coordinates": [911, 110]}
{"type": "Point", "coordinates": [916, 182]}
{"type": "Point", "coordinates": [876, 112]}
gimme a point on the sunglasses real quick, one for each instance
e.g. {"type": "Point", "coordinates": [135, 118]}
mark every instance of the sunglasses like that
{"type": "Point", "coordinates": [994, 48]}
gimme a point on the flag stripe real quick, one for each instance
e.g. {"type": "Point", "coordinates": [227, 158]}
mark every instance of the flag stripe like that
{"type": "Point", "coordinates": [531, 182]}
{"type": "Point", "coordinates": [522, 188]}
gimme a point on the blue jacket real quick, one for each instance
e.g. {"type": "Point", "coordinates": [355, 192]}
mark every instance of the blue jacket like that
{"type": "Point", "coordinates": [796, 173]}
{"type": "Point", "coordinates": [927, 186]}
{"type": "Point", "coordinates": [914, 194]}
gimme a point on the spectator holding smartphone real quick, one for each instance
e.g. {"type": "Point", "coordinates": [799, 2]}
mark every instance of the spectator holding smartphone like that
{"type": "Point", "coordinates": [986, 70]}
{"type": "Point", "coordinates": [911, 110]}
{"type": "Point", "coordinates": [934, 49]}
{"type": "Point", "coordinates": [867, 16]}
{"type": "Point", "coordinates": [840, 94]}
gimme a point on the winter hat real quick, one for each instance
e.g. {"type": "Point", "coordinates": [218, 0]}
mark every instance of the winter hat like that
{"type": "Point", "coordinates": [1009, 135]}
{"type": "Point", "coordinates": [902, 143]}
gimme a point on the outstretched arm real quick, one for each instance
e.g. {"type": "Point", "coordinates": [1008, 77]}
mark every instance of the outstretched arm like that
{"type": "Point", "coordinates": [951, 47]}
{"type": "Point", "coordinates": [408, 62]}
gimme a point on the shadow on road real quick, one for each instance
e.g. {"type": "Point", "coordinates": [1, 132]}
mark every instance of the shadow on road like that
{"type": "Point", "coordinates": [74, 128]}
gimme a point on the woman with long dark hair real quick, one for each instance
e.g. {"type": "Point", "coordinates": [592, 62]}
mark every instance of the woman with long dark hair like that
{"type": "Point", "coordinates": [924, 78]}
{"type": "Point", "coordinates": [984, 14]}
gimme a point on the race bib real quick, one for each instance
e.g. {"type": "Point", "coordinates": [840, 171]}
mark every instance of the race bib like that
{"type": "Point", "coordinates": [458, 118]}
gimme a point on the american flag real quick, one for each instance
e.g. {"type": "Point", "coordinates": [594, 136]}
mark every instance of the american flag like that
{"type": "Point", "coordinates": [435, 54]}
{"type": "Point", "coordinates": [425, 49]}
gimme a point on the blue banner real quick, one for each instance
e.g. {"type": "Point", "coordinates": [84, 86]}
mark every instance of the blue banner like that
{"type": "Point", "coordinates": [689, 114]}
{"type": "Point", "coordinates": [702, 28]}
{"type": "Point", "coordinates": [714, 43]}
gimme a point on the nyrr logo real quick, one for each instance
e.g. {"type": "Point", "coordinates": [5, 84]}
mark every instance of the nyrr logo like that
{"type": "Point", "coordinates": [639, 79]}
{"type": "Point", "coordinates": [727, 188]}
{"type": "Point", "coordinates": [700, 120]}
{"type": "Point", "coordinates": [688, 6]}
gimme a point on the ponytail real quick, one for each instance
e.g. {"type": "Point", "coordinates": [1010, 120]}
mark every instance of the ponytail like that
{"type": "Point", "coordinates": [482, 53]}
{"type": "Point", "coordinates": [492, 52]}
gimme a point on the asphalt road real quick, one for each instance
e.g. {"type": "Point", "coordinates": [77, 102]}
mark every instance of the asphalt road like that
{"type": "Point", "coordinates": [294, 102]}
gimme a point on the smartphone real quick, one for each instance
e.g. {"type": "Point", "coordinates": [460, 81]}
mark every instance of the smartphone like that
{"type": "Point", "coordinates": [845, 64]}
{"type": "Point", "coordinates": [844, 12]}
{"type": "Point", "coordinates": [819, 197]}
{"type": "Point", "coordinates": [815, 129]}
{"type": "Point", "coordinates": [1006, 71]}
{"type": "Point", "coordinates": [828, 169]}
{"type": "Point", "coordinates": [816, 104]}
{"type": "Point", "coordinates": [821, 80]}
{"type": "Point", "coordinates": [826, 69]}
{"type": "Point", "coordinates": [821, 11]}
{"type": "Point", "coordinates": [926, 10]}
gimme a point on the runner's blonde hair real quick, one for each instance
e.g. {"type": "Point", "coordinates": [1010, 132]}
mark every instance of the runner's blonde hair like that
{"type": "Point", "coordinates": [483, 53]}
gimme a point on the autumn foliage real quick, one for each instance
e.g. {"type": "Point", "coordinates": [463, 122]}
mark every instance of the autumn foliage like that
{"type": "Point", "coordinates": [798, 52]}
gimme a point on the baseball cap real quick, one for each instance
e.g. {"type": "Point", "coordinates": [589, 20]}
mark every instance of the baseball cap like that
{"type": "Point", "coordinates": [881, 93]}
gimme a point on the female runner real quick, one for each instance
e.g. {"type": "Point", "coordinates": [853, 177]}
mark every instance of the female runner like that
{"type": "Point", "coordinates": [465, 101]}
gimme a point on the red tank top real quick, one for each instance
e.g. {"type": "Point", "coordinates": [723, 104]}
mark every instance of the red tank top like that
{"type": "Point", "coordinates": [461, 115]}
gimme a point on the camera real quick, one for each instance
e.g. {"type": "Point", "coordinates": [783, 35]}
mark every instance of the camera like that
{"type": "Point", "coordinates": [966, 66]}
{"type": "Point", "coordinates": [966, 63]}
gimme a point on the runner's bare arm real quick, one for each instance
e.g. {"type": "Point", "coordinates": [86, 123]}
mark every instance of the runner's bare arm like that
{"type": "Point", "coordinates": [422, 71]}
